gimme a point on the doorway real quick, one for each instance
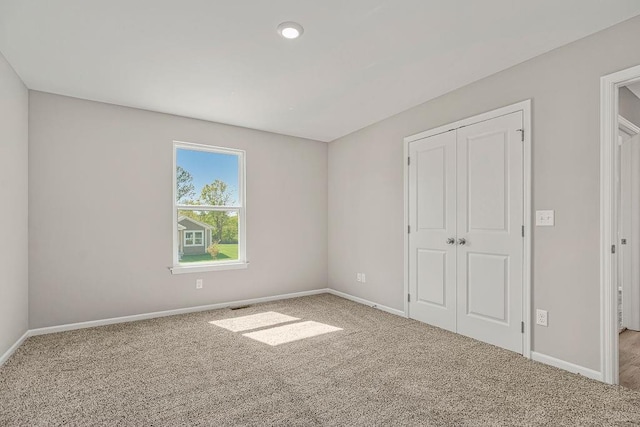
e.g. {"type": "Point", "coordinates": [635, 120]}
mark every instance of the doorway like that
{"type": "Point", "coordinates": [628, 192]}
{"type": "Point", "coordinates": [620, 227]}
{"type": "Point", "coordinates": [467, 201]}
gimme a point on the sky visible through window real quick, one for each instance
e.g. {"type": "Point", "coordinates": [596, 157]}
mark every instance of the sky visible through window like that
{"type": "Point", "coordinates": [206, 167]}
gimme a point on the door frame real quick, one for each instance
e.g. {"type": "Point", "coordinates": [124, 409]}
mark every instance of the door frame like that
{"type": "Point", "coordinates": [609, 86]}
{"type": "Point", "coordinates": [525, 108]}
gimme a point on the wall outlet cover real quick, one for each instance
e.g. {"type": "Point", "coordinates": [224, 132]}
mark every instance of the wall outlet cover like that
{"type": "Point", "coordinates": [541, 317]}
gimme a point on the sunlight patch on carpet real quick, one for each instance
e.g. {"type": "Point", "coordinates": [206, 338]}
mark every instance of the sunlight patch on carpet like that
{"type": "Point", "coordinates": [254, 321]}
{"type": "Point", "coordinates": [288, 333]}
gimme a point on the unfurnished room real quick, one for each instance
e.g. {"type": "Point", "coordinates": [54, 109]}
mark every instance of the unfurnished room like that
{"type": "Point", "coordinates": [320, 213]}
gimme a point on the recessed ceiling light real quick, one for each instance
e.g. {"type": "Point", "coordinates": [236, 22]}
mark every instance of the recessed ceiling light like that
{"type": "Point", "coordinates": [290, 30]}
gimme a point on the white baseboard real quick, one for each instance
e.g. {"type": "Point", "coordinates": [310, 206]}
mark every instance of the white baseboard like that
{"type": "Point", "coordinates": [153, 315]}
{"type": "Point", "coordinates": [567, 366]}
{"type": "Point", "coordinates": [7, 354]}
{"type": "Point", "coordinates": [366, 302]}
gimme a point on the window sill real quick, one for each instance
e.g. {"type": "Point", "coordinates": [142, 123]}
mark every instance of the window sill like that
{"type": "Point", "coordinates": [184, 269]}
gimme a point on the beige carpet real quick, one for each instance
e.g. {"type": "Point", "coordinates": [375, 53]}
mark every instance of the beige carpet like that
{"type": "Point", "coordinates": [379, 369]}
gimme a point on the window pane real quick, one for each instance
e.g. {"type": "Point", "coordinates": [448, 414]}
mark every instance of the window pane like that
{"type": "Point", "coordinates": [206, 236]}
{"type": "Point", "coordinates": [206, 178]}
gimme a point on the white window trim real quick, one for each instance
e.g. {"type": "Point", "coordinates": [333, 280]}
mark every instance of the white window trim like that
{"type": "Point", "coordinates": [201, 232]}
{"type": "Point", "coordinates": [242, 261]}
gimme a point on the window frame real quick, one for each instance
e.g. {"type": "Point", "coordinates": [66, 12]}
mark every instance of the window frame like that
{"type": "Point", "coordinates": [240, 208]}
{"type": "Point", "coordinates": [201, 232]}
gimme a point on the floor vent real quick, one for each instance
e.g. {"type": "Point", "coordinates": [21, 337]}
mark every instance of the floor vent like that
{"type": "Point", "coordinates": [239, 307]}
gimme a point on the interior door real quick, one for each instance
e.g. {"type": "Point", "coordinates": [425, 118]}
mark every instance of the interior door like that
{"type": "Point", "coordinates": [489, 231]}
{"type": "Point", "coordinates": [629, 230]}
{"type": "Point", "coordinates": [432, 215]}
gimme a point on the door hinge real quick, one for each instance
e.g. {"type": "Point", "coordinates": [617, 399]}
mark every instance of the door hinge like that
{"type": "Point", "coordinates": [408, 229]}
{"type": "Point", "coordinates": [522, 327]}
{"type": "Point", "coordinates": [613, 249]}
{"type": "Point", "coordinates": [408, 161]}
{"type": "Point", "coordinates": [523, 231]}
{"type": "Point", "coordinates": [408, 297]}
{"type": "Point", "coordinates": [521, 134]}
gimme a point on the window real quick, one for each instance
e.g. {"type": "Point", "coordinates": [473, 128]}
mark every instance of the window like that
{"type": "Point", "coordinates": [208, 208]}
{"type": "Point", "coordinates": [193, 238]}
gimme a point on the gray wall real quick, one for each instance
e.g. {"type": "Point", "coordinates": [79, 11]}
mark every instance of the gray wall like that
{"type": "Point", "coordinates": [366, 186]}
{"type": "Point", "coordinates": [629, 105]}
{"type": "Point", "coordinates": [14, 109]}
{"type": "Point", "coordinates": [96, 168]}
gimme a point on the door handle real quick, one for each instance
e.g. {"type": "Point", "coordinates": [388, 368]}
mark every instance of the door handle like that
{"type": "Point", "coordinates": [451, 241]}
{"type": "Point", "coordinates": [462, 242]}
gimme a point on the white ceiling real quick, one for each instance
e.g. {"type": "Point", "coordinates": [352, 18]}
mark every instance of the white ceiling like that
{"type": "Point", "coordinates": [359, 61]}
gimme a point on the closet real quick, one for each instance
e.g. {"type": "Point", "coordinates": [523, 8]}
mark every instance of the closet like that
{"type": "Point", "coordinates": [466, 229]}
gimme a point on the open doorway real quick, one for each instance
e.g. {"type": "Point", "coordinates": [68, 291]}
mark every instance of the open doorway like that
{"type": "Point", "coordinates": [620, 228]}
{"type": "Point", "coordinates": [628, 265]}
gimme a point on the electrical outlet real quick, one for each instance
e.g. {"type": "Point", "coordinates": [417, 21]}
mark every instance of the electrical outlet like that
{"type": "Point", "coordinates": [541, 317]}
{"type": "Point", "coordinates": [359, 277]}
{"type": "Point", "coordinates": [198, 283]}
{"type": "Point", "coordinates": [364, 278]}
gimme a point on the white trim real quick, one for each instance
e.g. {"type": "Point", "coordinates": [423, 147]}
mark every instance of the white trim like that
{"type": "Point", "coordinates": [609, 125]}
{"type": "Point", "coordinates": [567, 366]}
{"type": "Point", "coordinates": [206, 208]}
{"type": "Point", "coordinates": [366, 302]}
{"type": "Point", "coordinates": [503, 111]}
{"type": "Point", "coordinates": [525, 108]}
{"type": "Point", "coordinates": [153, 315]}
{"type": "Point", "coordinates": [628, 126]}
{"type": "Point", "coordinates": [208, 266]}
{"type": "Point", "coordinates": [7, 354]}
{"type": "Point", "coordinates": [207, 148]}
{"type": "Point", "coordinates": [405, 296]}
{"type": "Point", "coordinates": [527, 182]}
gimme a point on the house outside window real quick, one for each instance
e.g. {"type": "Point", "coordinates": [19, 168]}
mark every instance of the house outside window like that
{"type": "Point", "coordinates": [209, 208]}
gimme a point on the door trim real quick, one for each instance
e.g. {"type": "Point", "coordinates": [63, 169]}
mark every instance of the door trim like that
{"type": "Point", "coordinates": [609, 86]}
{"type": "Point", "coordinates": [627, 126]}
{"type": "Point", "coordinates": [525, 108]}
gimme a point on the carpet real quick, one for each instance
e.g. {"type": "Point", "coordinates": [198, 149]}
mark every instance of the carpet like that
{"type": "Point", "coordinates": [379, 369]}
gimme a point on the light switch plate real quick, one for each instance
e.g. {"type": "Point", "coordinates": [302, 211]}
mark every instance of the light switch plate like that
{"type": "Point", "coordinates": [545, 218]}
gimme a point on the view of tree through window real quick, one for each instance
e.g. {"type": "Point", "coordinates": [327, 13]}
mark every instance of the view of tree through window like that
{"type": "Point", "coordinates": [208, 204]}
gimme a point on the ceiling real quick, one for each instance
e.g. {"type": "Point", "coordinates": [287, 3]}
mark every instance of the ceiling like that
{"type": "Point", "coordinates": [359, 61]}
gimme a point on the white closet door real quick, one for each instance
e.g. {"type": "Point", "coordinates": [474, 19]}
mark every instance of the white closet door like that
{"type": "Point", "coordinates": [432, 215]}
{"type": "Point", "coordinates": [489, 221]}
